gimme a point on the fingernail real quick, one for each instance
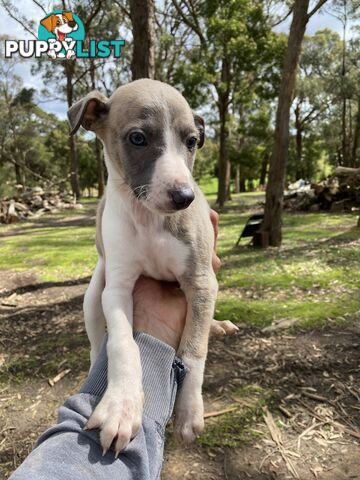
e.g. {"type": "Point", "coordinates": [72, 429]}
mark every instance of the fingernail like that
{"type": "Point", "coordinates": [104, 452]}
{"type": "Point", "coordinates": [117, 453]}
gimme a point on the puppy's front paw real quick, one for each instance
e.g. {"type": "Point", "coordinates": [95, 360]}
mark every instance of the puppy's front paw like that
{"type": "Point", "coordinates": [189, 418]}
{"type": "Point", "coordinates": [118, 416]}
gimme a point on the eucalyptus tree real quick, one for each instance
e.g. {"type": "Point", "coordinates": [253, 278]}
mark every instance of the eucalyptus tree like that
{"type": "Point", "coordinates": [233, 37]}
{"type": "Point", "coordinates": [271, 229]}
{"type": "Point", "coordinates": [345, 11]}
{"type": "Point", "coordinates": [316, 89]}
{"type": "Point", "coordinates": [142, 14]}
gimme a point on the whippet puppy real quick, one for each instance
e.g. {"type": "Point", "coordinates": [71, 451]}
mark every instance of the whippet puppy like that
{"type": "Point", "coordinates": [154, 221]}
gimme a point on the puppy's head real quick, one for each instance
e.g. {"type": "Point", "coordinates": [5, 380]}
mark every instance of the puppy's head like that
{"type": "Point", "coordinates": [150, 136]}
{"type": "Point", "coordinates": [62, 22]}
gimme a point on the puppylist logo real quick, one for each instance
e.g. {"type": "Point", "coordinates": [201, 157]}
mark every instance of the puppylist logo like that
{"type": "Point", "coordinates": [61, 35]}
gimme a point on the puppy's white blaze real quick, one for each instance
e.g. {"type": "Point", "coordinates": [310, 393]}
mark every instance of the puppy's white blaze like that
{"type": "Point", "coordinates": [170, 168]}
{"type": "Point", "coordinates": [63, 27]}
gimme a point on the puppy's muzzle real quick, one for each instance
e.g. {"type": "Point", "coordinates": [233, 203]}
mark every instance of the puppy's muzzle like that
{"type": "Point", "coordinates": [181, 197]}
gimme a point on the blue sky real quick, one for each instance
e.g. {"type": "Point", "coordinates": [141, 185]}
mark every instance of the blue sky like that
{"type": "Point", "coordinates": [10, 27]}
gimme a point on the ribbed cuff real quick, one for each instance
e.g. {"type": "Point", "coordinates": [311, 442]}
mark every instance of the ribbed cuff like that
{"type": "Point", "coordinates": [162, 373]}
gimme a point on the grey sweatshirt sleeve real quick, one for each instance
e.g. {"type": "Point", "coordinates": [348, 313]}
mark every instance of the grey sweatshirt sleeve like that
{"type": "Point", "coordinates": [67, 452]}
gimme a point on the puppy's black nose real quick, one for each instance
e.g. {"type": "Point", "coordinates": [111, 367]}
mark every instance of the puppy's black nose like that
{"type": "Point", "coordinates": [181, 197]}
{"type": "Point", "coordinates": [72, 23]}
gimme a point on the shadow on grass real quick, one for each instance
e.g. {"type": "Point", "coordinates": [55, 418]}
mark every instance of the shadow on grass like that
{"type": "Point", "coordinates": [288, 252]}
{"type": "Point", "coordinates": [33, 287]}
{"type": "Point", "coordinates": [49, 223]}
{"type": "Point", "coordinates": [45, 337]}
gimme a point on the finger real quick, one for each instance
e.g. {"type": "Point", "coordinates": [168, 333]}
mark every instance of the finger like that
{"type": "Point", "coordinates": [216, 329]}
{"type": "Point", "coordinates": [216, 262]}
{"type": "Point", "coordinates": [214, 217]}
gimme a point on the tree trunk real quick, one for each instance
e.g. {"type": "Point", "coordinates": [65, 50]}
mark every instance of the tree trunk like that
{"type": "Point", "coordinates": [100, 168]}
{"type": "Point", "coordinates": [224, 164]}
{"type": "Point", "coordinates": [263, 172]}
{"type": "Point", "coordinates": [223, 104]}
{"type": "Point", "coordinates": [142, 13]}
{"type": "Point", "coordinates": [228, 190]}
{"type": "Point", "coordinates": [298, 127]}
{"type": "Point", "coordinates": [344, 155]}
{"type": "Point", "coordinates": [344, 140]}
{"type": "Point", "coordinates": [356, 136]}
{"type": "Point", "coordinates": [74, 174]}
{"type": "Point", "coordinates": [98, 150]}
{"type": "Point", "coordinates": [275, 188]}
{"type": "Point", "coordinates": [242, 184]}
{"type": "Point", "coordinates": [237, 178]}
{"type": "Point", "coordinates": [20, 180]}
{"type": "Point", "coordinates": [74, 177]}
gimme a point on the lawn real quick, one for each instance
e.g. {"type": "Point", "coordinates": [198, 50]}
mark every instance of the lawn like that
{"type": "Point", "coordinates": [312, 280]}
{"type": "Point", "coordinates": [314, 277]}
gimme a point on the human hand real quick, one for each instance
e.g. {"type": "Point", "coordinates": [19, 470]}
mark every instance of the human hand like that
{"type": "Point", "coordinates": [160, 307]}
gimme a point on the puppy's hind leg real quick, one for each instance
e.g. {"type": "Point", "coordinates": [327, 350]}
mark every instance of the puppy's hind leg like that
{"type": "Point", "coordinates": [93, 312]}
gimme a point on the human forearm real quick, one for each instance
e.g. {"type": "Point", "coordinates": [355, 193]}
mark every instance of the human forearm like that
{"type": "Point", "coordinates": [67, 452]}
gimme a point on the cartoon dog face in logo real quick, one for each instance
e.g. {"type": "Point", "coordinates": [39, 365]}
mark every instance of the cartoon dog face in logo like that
{"type": "Point", "coordinates": [60, 24]}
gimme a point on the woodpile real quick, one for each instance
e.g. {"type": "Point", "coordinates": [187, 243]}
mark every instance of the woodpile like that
{"type": "Point", "coordinates": [339, 192]}
{"type": "Point", "coordinates": [34, 202]}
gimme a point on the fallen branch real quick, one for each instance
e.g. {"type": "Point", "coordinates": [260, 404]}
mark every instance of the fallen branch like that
{"type": "Point", "coordinates": [58, 377]}
{"type": "Point", "coordinates": [328, 421]}
{"type": "Point", "coordinates": [277, 438]}
{"type": "Point", "coordinates": [220, 412]}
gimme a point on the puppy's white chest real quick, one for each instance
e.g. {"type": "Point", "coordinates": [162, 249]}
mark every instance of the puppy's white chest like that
{"type": "Point", "coordinates": [161, 255]}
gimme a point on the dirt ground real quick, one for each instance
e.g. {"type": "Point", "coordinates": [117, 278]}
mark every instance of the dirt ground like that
{"type": "Point", "coordinates": [293, 399]}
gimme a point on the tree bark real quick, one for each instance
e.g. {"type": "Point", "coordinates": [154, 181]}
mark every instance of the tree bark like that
{"type": "Point", "coordinates": [299, 143]}
{"type": "Point", "coordinates": [142, 14]}
{"type": "Point", "coordinates": [271, 226]}
{"type": "Point", "coordinates": [20, 180]}
{"type": "Point", "coordinates": [344, 140]}
{"type": "Point", "coordinates": [100, 168]}
{"type": "Point", "coordinates": [74, 170]}
{"type": "Point", "coordinates": [242, 184]}
{"type": "Point", "coordinates": [98, 150]}
{"type": "Point", "coordinates": [237, 178]}
{"type": "Point", "coordinates": [355, 145]}
{"type": "Point", "coordinates": [224, 164]}
{"type": "Point", "coordinates": [263, 172]}
{"type": "Point", "coordinates": [223, 105]}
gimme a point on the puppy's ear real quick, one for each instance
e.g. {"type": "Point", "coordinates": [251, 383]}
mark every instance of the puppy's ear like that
{"type": "Point", "coordinates": [68, 15]}
{"type": "Point", "coordinates": [89, 112]}
{"type": "Point", "coordinates": [200, 125]}
{"type": "Point", "coordinates": [49, 22]}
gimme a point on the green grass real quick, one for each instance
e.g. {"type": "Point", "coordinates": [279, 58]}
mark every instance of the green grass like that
{"type": "Point", "coordinates": [46, 354]}
{"type": "Point", "coordinates": [314, 277]}
{"type": "Point", "coordinates": [234, 428]}
{"type": "Point", "coordinates": [53, 253]}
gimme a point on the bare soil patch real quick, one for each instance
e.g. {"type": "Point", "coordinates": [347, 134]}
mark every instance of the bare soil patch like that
{"type": "Point", "coordinates": [309, 379]}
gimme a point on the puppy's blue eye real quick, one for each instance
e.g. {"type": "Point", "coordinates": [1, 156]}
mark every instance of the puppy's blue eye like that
{"type": "Point", "coordinates": [191, 143]}
{"type": "Point", "coordinates": [138, 139]}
